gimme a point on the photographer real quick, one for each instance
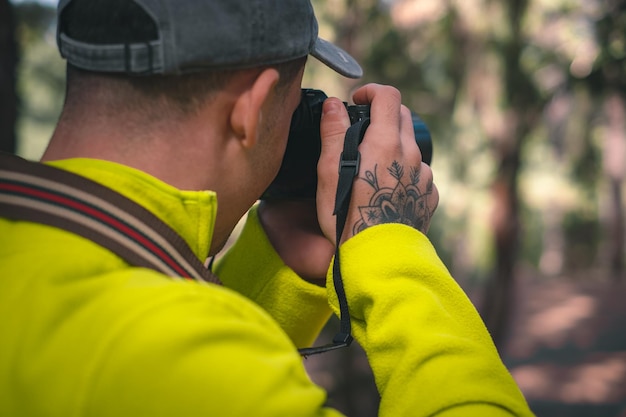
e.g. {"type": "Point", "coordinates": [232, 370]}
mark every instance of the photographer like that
{"type": "Point", "coordinates": [176, 120]}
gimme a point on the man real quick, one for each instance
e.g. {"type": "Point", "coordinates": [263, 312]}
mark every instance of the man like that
{"type": "Point", "coordinates": [165, 101]}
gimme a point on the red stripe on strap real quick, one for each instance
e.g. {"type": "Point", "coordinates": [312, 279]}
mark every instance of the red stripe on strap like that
{"type": "Point", "coordinates": [101, 216]}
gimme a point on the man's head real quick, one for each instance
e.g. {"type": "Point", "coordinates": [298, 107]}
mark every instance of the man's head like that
{"type": "Point", "coordinates": [150, 58]}
{"type": "Point", "coordinates": [198, 93]}
{"type": "Point", "coordinates": [87, 25]}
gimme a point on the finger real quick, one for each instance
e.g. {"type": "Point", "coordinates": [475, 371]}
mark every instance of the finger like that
{"type": "Point", "coordinates": [407, 135]}
{"type": "Point", "coordinates": [334, 123]}
{"type": "Point", "coordinates": [384, 101]}
{"type": "Point", "coordinates": [406, 127]}
{"type": "Point", "coordinates": [428, 188]}
{"type": "Point", "coordinates": [434, 201]}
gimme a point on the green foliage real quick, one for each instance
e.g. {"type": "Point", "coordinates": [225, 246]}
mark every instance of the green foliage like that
{"type": "Point", "coordinates": [41, 77]}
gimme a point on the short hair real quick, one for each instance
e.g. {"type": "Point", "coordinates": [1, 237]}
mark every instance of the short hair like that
{"type": "Point", "coordinates": [124, 21]}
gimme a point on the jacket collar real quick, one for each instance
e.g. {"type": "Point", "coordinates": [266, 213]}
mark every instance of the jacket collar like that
{"type": "Point", "coordinates": [191, 213]}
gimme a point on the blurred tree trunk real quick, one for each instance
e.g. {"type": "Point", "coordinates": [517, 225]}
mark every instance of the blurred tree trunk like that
{"type": "Point", "coordinates": [614, 165]}
{"type": "Point", "coordinates": [521, 107]}
{"type": "Point", "coordinates": [610, 30]}
{"type": "Point", "coordinates": [8, 64]}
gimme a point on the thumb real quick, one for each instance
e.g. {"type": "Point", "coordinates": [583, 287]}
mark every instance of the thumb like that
{"type": "Point", "coordinates": [334, 123]}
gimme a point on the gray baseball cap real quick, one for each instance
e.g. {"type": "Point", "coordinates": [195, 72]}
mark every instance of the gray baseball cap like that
{"type": "Point", "coordinates": [197, 35]}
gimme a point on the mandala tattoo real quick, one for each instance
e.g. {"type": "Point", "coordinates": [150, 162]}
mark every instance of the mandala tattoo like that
{"type": "Point", "coordinates": [403, 204]}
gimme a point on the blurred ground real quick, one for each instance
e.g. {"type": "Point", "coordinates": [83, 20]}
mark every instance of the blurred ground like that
{"type": "Point", "coordinates": [566, 348]}
{"type": "Point", "coordinates": [567, 345]}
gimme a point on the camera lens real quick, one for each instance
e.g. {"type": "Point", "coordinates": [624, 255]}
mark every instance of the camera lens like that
{"type": "Point", "coordinates": [423, 139]}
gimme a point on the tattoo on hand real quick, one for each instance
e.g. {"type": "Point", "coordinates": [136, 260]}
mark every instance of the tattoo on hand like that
{"type": "Point", "coordinates": [403, 204]}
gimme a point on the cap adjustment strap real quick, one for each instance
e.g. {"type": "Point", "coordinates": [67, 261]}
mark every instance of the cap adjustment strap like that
{"type": "Point", "coordinates": [133, 58]}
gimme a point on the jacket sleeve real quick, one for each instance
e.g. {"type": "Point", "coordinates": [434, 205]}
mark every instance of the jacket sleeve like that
{"type": "Point", "coordinates": [252, 268]}
{"type": "Point", "coordinates": [428, 348]}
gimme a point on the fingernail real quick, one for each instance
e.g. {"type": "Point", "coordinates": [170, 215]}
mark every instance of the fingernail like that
{"type": "Point", "coordinates": [330, 107]}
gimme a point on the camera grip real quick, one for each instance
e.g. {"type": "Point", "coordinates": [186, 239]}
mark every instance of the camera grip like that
{"type": "Point", "coordinates": [297, 177]}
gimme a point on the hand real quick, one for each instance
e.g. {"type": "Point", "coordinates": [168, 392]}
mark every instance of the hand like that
{"type": "Point", "coordinates": [294, 231]}
{"type": "Point", "coordinates": [393, 184]}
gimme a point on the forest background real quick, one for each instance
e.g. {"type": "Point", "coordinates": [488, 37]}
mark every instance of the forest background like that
{"type": "Point", "coordinates": [526, 104]}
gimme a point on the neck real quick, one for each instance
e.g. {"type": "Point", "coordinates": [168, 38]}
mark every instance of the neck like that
{"type": "Point", "coordinates": [189, 155]}
{"type": "Point", "coordinates": [173, 152]}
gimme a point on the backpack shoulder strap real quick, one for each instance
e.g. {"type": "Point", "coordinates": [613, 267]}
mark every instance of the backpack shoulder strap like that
{"type": "Point", "coordinates": [44, 194]}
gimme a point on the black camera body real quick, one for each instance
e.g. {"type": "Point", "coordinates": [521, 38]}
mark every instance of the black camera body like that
{"type": "Point", "coordinates": [297, 178]}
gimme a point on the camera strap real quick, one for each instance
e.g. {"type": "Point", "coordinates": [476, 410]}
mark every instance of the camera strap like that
{"type": "Point", "coordinates": [348, 169]}
{"type": "Point", "coordinates": [48, 195]}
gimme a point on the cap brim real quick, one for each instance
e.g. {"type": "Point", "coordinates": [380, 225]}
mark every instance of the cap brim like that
{"type": "Point", "coordinates": [337, 59]}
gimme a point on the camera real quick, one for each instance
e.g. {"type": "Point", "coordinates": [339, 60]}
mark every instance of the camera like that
{"type": "Point", "coordinates": [297, 177]}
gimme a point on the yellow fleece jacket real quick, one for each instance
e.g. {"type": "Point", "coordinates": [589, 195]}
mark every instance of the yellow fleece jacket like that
{"type": "Point", "coordinates": [85, 334]}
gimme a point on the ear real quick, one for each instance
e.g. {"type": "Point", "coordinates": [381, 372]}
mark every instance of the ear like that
{"type": "Point", "coordinates": [247, 113]}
